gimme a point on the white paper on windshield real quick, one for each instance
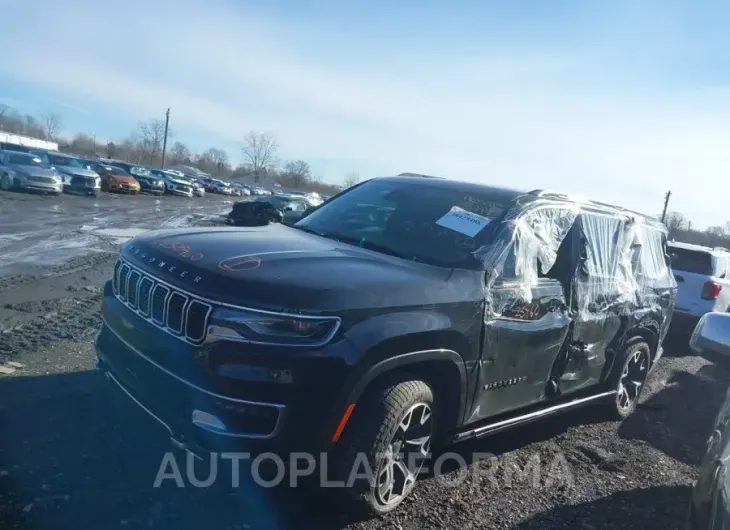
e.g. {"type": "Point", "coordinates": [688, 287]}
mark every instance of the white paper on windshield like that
{"type": "Point", "coordinates": [463, 221]}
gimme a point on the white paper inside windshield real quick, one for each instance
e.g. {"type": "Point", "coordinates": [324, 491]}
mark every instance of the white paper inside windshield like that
{"type": "Point", "coordinates": [463, 221]}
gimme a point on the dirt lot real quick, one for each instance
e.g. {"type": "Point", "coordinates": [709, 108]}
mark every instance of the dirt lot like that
{"type": "Point", "coordinates": [76, 454]}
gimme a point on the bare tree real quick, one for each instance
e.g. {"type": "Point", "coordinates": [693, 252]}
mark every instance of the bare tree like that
{"type": "Point", "coordinates": [352, 178]}
{"type": "Point", "coordinates": [259, 149]}
{"type": "Point", "coordinates": [151, 137]}
{"type": "Point", "coordinates": [297, 172]}
{"type": "Point", "coordinates": [179, 153]}
{"type": "Point", "coordinates": [675, 222]}
{"type": "Point", "coordinates": [51, 123]}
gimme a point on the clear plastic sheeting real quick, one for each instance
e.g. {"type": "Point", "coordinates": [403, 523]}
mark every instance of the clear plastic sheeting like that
{"type": "Point", "coordinates": [622, 257]}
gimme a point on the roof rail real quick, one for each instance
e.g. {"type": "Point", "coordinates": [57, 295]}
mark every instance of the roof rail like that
{"type": "Point", "coordinates": [418, 175]}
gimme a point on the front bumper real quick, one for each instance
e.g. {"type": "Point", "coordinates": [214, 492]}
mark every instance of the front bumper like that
{"type": "Point", "coordinates": [124, 187]}
{"type": "Point", "coordinates": [222, 397]}
{"type": "Point", "coordinates": [28, 184]}
{"type": "Point", "coordinates": [180, 193]}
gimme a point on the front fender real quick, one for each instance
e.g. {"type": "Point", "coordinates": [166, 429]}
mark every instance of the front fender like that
{"type": "Point", "coordinates": [368, 333]}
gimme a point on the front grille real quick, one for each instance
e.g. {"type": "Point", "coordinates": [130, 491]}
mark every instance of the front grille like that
{"type": "Point", "coordinates": [44, 180]}
{"type": "Point", "coordinates": [169, 309]}
{"type": "Point", "coordinates": [87, 182]}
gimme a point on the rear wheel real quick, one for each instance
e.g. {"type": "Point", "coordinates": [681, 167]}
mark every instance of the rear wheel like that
{"type": "Point", "coordinates": [5, 182]}
{"type": "Point", "coordinates": [631, 379]}
{"type": "Point", "coordinates": [388, 439]}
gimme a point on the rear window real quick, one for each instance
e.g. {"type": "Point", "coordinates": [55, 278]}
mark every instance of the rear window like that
{"type": "Point", "coordinates": [694, 261]}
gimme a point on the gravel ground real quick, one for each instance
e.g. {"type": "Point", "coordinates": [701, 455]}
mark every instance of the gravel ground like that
{"type": "Point", "coordinates": [74, 453]}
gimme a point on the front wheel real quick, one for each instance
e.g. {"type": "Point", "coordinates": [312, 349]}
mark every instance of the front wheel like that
{"type": "Point", "coordinates": [388, 440]}
{"type": "Point", "coordinates": [5, 182]}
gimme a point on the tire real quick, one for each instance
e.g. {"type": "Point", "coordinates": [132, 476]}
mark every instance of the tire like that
{"type": "Point", "coordinates": [376, 433]}
{"type": "Point", "coordinates": [5, 182]}
{"type": "Point", "coordinates": [630, 379]}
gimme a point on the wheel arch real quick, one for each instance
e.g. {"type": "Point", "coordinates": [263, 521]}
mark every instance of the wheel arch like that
{"type": "Point", "coordinates": [442, 368]}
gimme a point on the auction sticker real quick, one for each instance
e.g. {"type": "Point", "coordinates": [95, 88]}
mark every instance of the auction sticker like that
{"type": "Point", "coordinates": [463, 221]}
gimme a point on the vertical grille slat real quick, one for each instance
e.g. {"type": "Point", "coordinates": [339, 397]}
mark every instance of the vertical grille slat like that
{"type": "Point", "coordinates": [197, 317]}
{"type": "Point", "coordinates": [145, 292]}
{"type": "Point", "coordinates": [123, 276]}
{"type": "Point", "coordinates": [132, 285]}
{"type": "Point", "coordinates": [159, 301]}
{"type": "Point", "coordinates": [168, 308]}
{"type": "Point", "coordinates": [176, 306]}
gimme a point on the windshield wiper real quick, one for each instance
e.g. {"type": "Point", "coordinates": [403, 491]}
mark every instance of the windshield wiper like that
{"type": "Point", "coordinates": [311, 231]}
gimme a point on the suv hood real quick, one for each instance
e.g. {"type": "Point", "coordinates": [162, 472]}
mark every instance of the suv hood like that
{"type": "Point", "coordinates": [34, 171]}
{"type": "Point", "coordinates": [279, 268]}
{"type": "Point", "coordinates": [76, 171]}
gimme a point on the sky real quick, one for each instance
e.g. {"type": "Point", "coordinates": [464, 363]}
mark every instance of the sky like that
{"type": "Point", "coordinates": [619, 101]}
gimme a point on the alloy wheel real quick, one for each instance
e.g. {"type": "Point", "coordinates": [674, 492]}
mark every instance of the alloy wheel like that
{"type": "Point", "coordinates": [405, 455]}
{"type": "Point", "coordinates": [632, 379]}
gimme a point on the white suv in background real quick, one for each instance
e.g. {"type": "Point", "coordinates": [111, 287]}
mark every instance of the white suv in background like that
{"type": "Point", "coordinates": [703, 282]}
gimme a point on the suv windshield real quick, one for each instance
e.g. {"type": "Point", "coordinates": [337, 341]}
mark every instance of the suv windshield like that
{"type": "Point", "coordinates": [414, 221]}
{"type": "Point", "coordinates": [688, 260]}
{"type": "Point", "coordinates": [65, 161]}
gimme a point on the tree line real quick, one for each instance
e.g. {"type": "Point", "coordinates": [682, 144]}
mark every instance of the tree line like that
{"type": "Point", "coordinates": [680, 229]}
{"type": "Point", "coordinates": [144, 145]}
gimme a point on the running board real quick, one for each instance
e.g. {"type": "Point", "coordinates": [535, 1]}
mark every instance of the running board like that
{"type": "Point", "coordinates": [503, 425]}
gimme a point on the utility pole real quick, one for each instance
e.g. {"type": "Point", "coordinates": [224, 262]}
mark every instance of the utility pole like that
{"type": "Point", "coordinates": [164, 142]}
{"type": "Point", "coordinates": [666, 202]}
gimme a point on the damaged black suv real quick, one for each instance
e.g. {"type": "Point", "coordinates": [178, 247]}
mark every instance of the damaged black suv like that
{"type": "Point", "coordinates": [402, 313]}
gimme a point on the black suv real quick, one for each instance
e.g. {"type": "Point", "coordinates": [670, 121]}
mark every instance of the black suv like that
{"type": "Point", "coordinates": [264, 209]}
{"type": "Point", "coordinates": [405, 312]}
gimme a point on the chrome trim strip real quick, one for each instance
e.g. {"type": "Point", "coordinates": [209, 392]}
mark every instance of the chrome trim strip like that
{"type": "Point", "coordinates": [148, 411]}
{"type": "Point", "coordinates": [188, 383]}
{"type": "Point", "coordinates": [504, 424]}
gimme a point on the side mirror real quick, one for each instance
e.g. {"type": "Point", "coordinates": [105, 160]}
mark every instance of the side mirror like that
{"type": "Point", "coordinates": [712, 334]}
{"type": "Point", "coordinates": [288, 209]}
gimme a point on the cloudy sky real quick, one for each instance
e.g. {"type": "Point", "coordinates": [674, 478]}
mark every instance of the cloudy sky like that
{"type": "Point", "coordinates": [619, 100]}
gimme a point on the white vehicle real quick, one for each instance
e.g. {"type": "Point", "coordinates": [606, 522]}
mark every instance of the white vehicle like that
{"type": "Point", "coordinates": [703, 282]}
{"type": "Point", "coordinates": [222, 187]}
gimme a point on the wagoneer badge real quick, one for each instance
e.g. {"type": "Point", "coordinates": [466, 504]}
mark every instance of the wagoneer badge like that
{"type": "Point", "coordinates": [161, 263]}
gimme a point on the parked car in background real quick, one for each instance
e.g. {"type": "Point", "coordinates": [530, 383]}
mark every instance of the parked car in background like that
{"type": "Point", "coordinates": [147, 182]}
{"type": "Point", "coordinates": [115, 179]}
{"type": "Point", "coordinates": [27, 171]}
{"type": "Point", "coordinates": [224, 188]}
{"type": "Point", "coordinates": [174, 184]}
{"type": "Point", "coordinates": [242, 189]}
{"type": "Point", "coordinates": [703, 283]}
{"type": "Point", "coordinates": [709, 507]}
{"type": "Point", "coordinates": [77, 177]}
{"type": "Point", "coordinates": [261, 210]}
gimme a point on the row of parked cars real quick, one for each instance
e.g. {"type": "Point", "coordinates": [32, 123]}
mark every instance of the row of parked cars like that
{"type": "Point", "coordinates": [54, 172]}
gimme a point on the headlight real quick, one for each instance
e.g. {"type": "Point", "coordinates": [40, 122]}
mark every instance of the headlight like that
{"type": "Point", "coordinates": [272, 329]}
